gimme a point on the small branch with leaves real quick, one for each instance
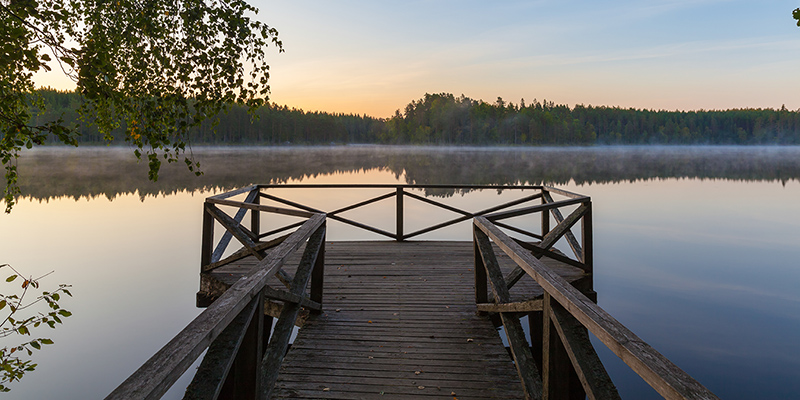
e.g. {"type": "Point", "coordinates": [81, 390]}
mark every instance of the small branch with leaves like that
{"type": "Point", "coordinates": [14, 359]}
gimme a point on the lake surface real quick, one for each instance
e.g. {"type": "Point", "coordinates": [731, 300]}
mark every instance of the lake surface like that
{"type": "Point", "coordinates": [696, 248]}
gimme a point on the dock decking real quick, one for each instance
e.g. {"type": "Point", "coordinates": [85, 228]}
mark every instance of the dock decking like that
{"type": "Point", "coordinates": [392, 309]}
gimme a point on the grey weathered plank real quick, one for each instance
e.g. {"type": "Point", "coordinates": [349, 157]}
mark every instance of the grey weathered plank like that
{"type": "Point", "coordinates": [156, 375]}
{"type": "Point", "coordinates": [549, 240]}
{"type": "Point", "coordinates": [279, 342]}
{"type": "Point", "coordinates": [660, 373]}
{"type": "Point", "coordinates": [520, 349]}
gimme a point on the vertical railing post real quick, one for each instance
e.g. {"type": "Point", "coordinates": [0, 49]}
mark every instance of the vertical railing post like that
{"type": "Point", "coordinates": [481, 287]}
{"type": "Point", "coordinates": [206, 247]}
{"type": "Point", "coordinates": [255, 215]}
{"type": "Point", "coordinates": [318, 273]}
{"type": "Point", "coordinates": [587, 238]}
{"type": "Point", "coordinates": [559, 379]}
{"type": "Point", "coordinates": [545, 215]}
{"type": "Point", "coordinates": [399, 234]}
{"type": "Point", "coordinates": [247, 365]}
{"type": "Point", "coordinates": [536, 330]}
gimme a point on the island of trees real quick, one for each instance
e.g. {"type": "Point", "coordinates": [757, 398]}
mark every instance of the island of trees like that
{"type": "Point", "coordinates": [445, 119]}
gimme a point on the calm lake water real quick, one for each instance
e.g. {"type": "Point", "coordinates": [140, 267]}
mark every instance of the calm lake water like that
{"type": "Point", "coordinates": [696, 248]}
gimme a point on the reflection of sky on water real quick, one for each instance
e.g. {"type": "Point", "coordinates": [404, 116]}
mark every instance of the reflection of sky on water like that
{"type": "Point", "coordinates": [704, 270]}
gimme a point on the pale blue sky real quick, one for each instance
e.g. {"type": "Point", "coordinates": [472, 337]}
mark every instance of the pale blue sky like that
{"type": "Point", "coordinates": [375, 56]}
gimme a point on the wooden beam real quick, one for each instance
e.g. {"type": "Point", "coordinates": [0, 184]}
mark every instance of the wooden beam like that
{"type": "Point", "coordinates": [539, 253]}
{"type": "Point", "coordinates": [534, 209]}
{"type": "Point", "coordinates": [481, 288]}
{"type": "Point", "coordinates": [549, 240]}
{"type": "Point", "coordinates": [520, 350]}
{"type": "Point", "coordinates": [155, 376]}
{"type": "Point", "coordinates": [562, 192]}
{"type": "Point", "coordinates": [573, 242]}
{"type": "Point", "coordinates": [660, 373]}
{"type": "Point", "coordinates": [289, 297]}
{"type": "Point", "coordinates": [466, 217]}
{"type": "Point", "coordinates": [210, 376]}
{"type": "Point", "coordinates": [276, 350]}
{"type": "Point", "coordinates": [226, 237]}
{"type": "Point", "coordinates": [399, 217]}
{"type": "Point", "coordinates": [521, 306]}
{"type": "Point", "coordinates": [438, 204]}
{"type": "Point", "coordinates": [236, 229]}
{"type": "Point", "coordinates": [560, 380]}
{"type": "Point", "coordinates": [362, 203]}
{"type": "Point", "coordinates": [243, 252]}
{"type": "Point", "coordinates": [234, 192]}
{"type": "Point", "coordinates": [596, 383]}
{"type": "Point", "coordinates": [261, 207]}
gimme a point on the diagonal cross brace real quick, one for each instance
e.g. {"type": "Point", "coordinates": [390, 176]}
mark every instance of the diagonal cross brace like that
{"type": "Point", "coordinates": [549, 240]}
{"type": "Point", "coordinates": [573, 242]}
{"type": "Point", "coordinates": [240, 233]}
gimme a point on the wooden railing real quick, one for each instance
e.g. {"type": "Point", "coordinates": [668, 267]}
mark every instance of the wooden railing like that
{"type": "Point", "coordinates": [243, 359]}
{"type": "Point", "coordinates": [566, 366]}
{"type": "Point", "coordinates": [248, 237]}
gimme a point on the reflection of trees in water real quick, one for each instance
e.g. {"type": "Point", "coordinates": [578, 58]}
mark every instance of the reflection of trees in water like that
{"type": "Point", "coordinates": [109, 172]}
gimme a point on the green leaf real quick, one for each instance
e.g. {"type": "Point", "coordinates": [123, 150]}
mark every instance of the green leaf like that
{"type": "Point", "coordinates": [36, 345]}
{"type": "Point", "coordinates": [2, 304]}
{"type": "Point", "coordinates": [46, 341]}
{"type": "Point", "coordinates": [11, 278]}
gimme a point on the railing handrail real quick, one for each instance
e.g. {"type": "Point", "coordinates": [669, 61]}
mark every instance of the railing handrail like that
{"type": "Point", "coordinates": [161, 371]}
{"type": "Point", "coordinates": [658, 371]}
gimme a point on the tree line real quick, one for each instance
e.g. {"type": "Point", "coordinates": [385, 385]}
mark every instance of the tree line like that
{"type": "Point", "coordinates": [445, 119]}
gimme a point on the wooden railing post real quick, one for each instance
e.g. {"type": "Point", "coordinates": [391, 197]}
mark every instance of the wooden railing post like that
{"type": "Point", "coordinates": [399, 234]}
{"type": "Point", "coordinates": [247, 365]}
{"type": "Point", "coordinates": [318, 273]}
{"type": "Point", "coordinates": [206, 247]}
{"type": "Point", "coordinates": [255, 216]}
{"type": "Point", "coordinates": [481, 287]}
{"type": "Point", "coordinates": [587, 238]}
{"type": "Point", "coordinates": [545, 215]}
{"type": "Point", "coordinates": [558, 377]}
{"type": "Point", "coordinates": [536, 330]}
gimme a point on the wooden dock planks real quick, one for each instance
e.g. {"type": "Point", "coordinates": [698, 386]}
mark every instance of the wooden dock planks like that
{"type": "Point", "coordinates": [399, 322]}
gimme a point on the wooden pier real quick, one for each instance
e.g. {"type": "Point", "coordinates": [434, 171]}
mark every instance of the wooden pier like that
{"type": "Point", "coordinates": [400, 318]}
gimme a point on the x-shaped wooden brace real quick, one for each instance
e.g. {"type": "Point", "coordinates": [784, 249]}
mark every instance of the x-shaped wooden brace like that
{"type": "Point", "coordinates": [562, 229]}
{"type": "Point", "coordinates": [247, 238]}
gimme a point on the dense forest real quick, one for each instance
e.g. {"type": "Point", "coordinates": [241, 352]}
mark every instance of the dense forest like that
{"type": "Point", "coordinates": [449, 120]}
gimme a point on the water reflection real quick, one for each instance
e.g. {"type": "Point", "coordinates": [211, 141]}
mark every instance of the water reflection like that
{"type": "Point", "coordinates": [695, 248]}
{"type": "Point", "coordinates": [88, 172]}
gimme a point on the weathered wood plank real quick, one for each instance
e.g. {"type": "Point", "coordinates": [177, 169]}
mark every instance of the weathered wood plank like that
{"type": "Point", "coordinates": [520, 350]}
{"type": "Point", "coordinates": [156, 375]}
{"type": "Point", "coordinates": [226, 237]}
{"type": "Point", "coordinates": [283, 327]}
{"type": "Point", "coordinates": [593, 376]}
{"type": "Point", "coordinates": [249, 205]}
{"type": "Point", "coordinates": [236, 229]}
{"type": "Point", "coordinates": [208, 380]}
{"type": "Point", "coordinates": [573, 242]}
{"type": "Point", "coordinates": [549, 240]}
{"type": "Point", "coordinates": [534, 209]}
{"type": "Point", "coordinates": [291, 298]}
{"type": "Point", "coordinates": [243, 252]}
{"type": "Point", "coordinates": [521, 306]}
{"type": "Point", "coordinates": [660, 373]}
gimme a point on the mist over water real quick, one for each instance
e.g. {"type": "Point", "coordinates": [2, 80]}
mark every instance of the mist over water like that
{"type": "Point", "coordinates": [109, 172]}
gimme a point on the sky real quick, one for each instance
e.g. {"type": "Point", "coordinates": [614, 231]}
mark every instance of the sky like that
{"type": "Point", "coordinates": [373, 56]}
